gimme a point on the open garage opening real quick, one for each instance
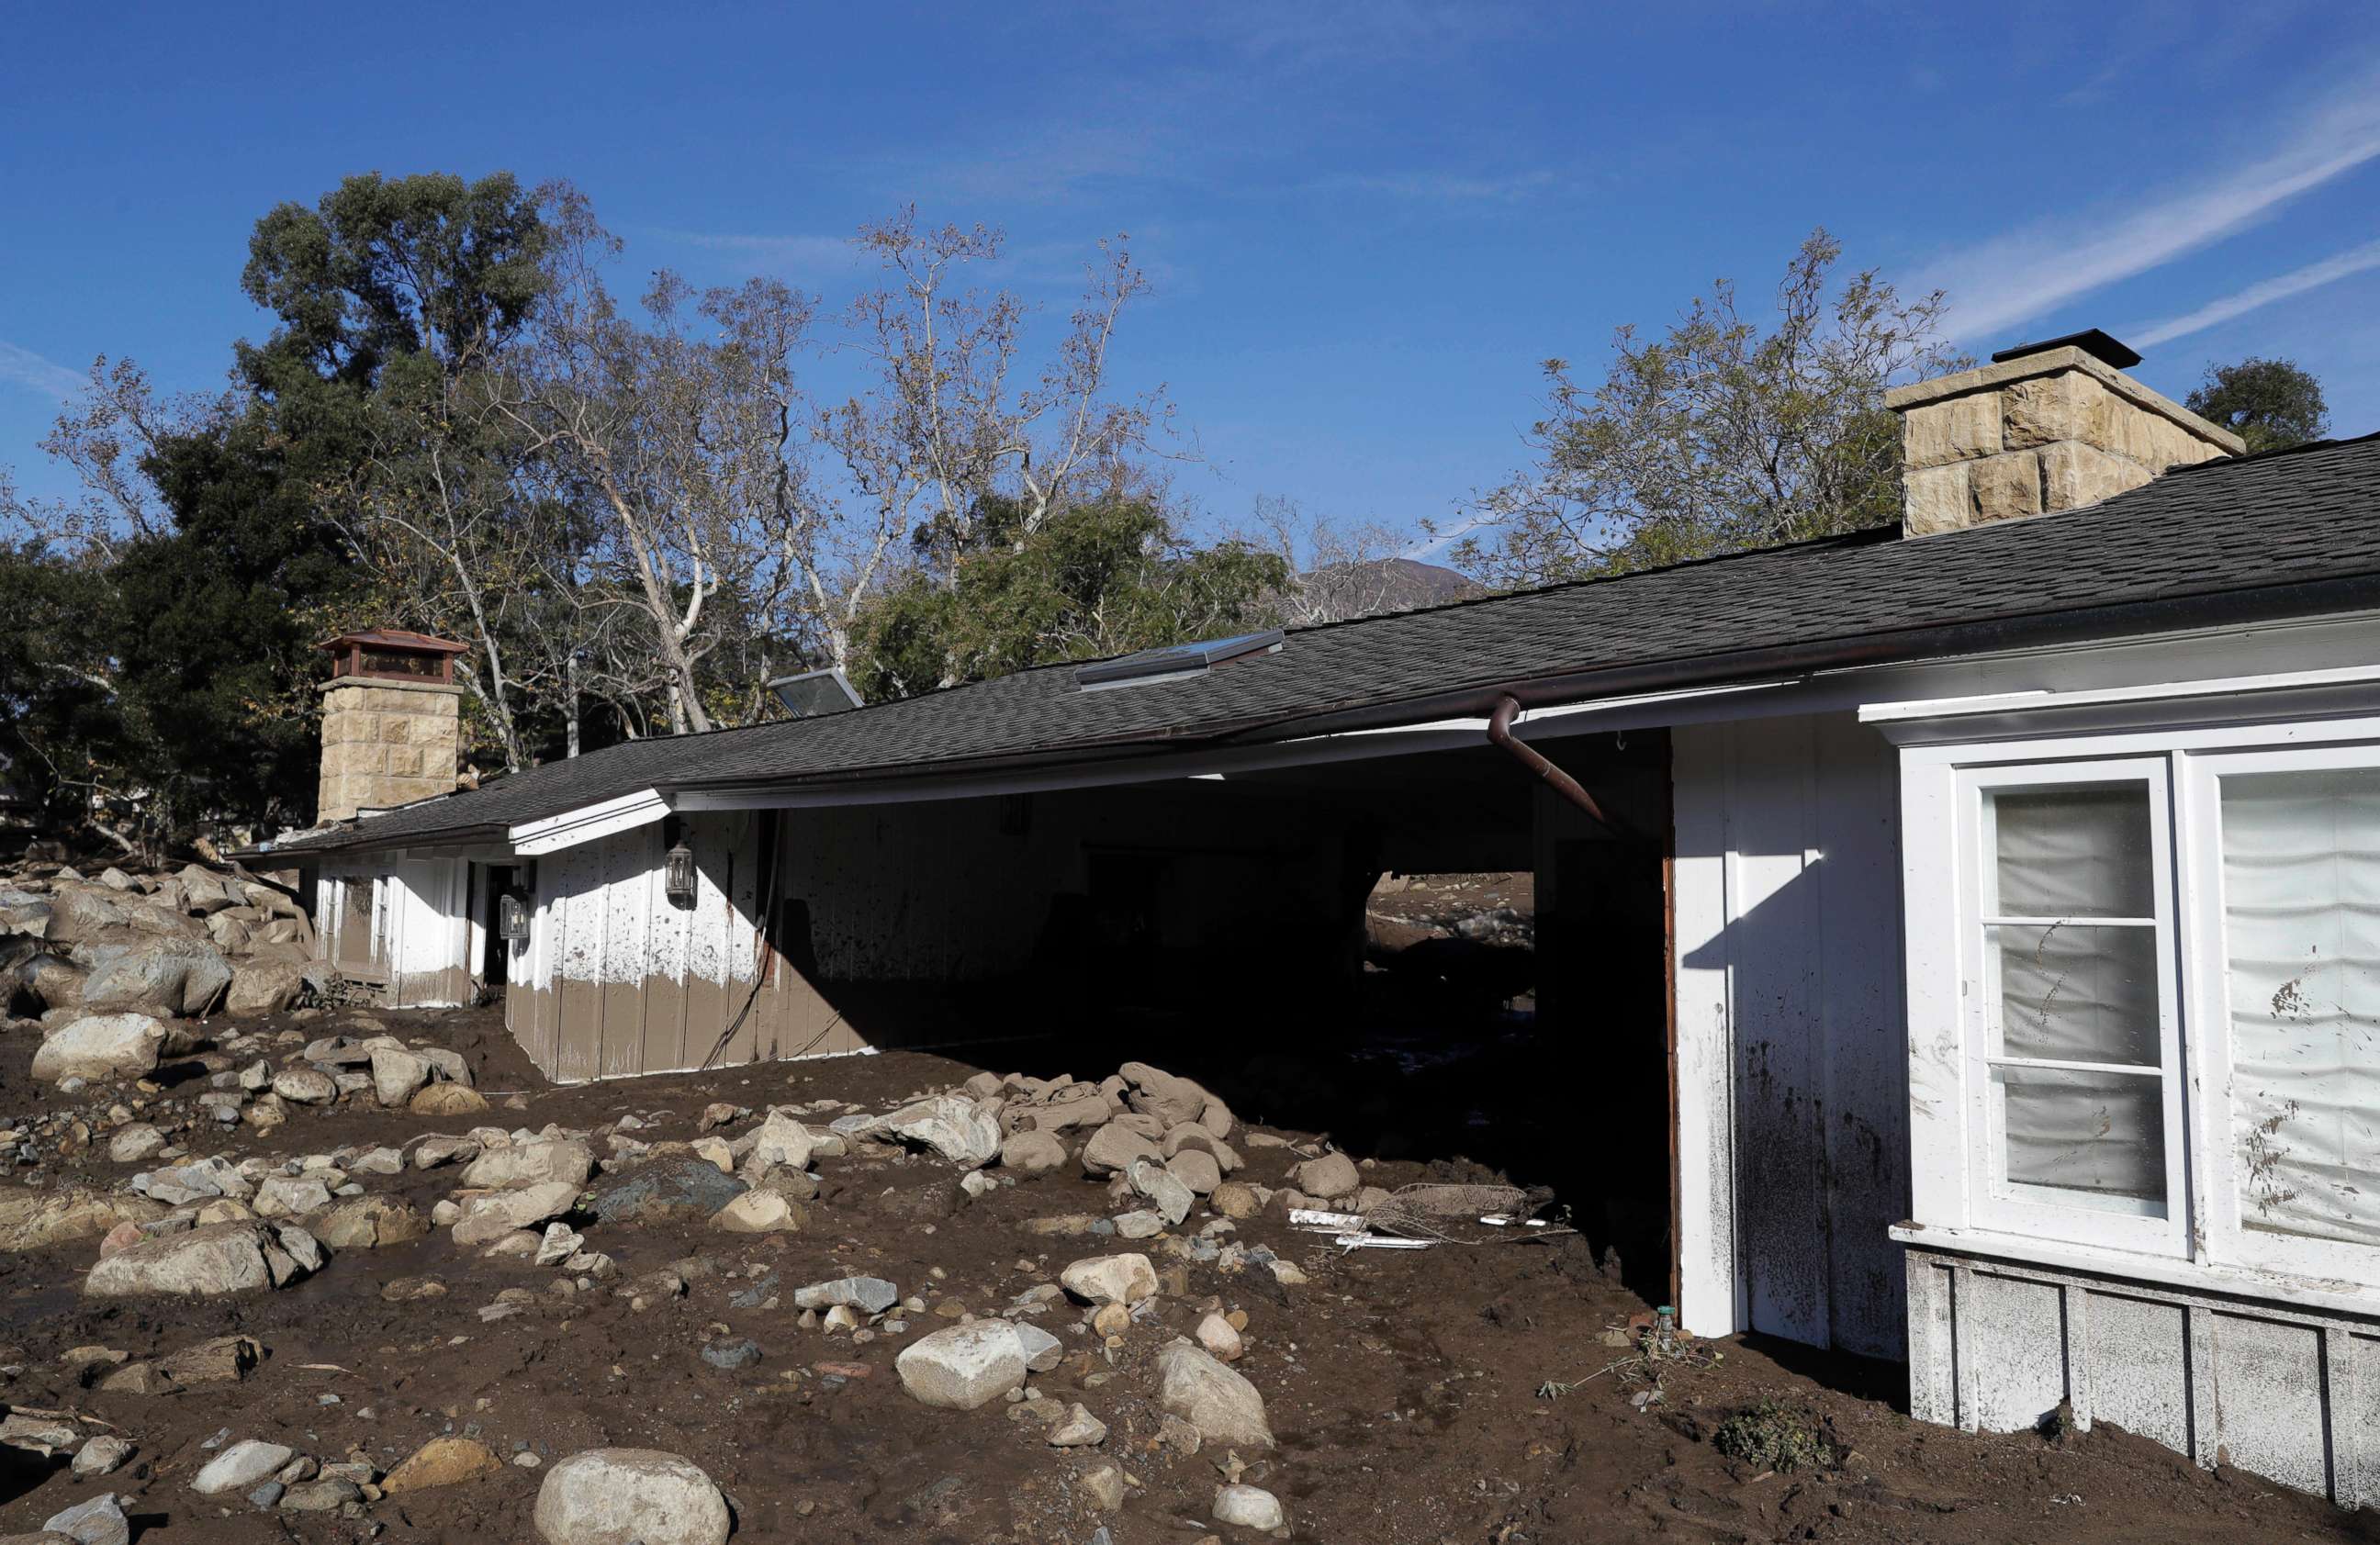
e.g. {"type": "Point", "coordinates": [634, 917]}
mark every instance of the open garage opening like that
{"type": "Point", "coordinates": [1431, 957]}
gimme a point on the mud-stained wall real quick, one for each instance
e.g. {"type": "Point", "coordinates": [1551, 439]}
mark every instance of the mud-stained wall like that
{"type": "Point", "coordinates": [402, 922]}
{"type": "Point", "coordinates": [619, 979]}
{"type": "Point", "coordinates": [788, 941]}
{"type": "Point", "coordinates": [1792, 1128]}
{"type": "Point", "coordinates": [2280, 1390]}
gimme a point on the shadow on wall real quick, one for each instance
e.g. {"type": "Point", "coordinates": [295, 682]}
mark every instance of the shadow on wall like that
{"type": "Point", "coordinates": [1808, 968]}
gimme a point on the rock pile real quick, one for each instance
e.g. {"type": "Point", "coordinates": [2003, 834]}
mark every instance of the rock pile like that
{"type": "Point", "coordinates": [164, 944]}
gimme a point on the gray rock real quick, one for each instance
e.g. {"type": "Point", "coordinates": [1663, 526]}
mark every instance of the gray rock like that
{"type": "Point", "coordinates": [1249, 1507]}
{"type": "Point", "coordinates": [102, 1046]}
{"type": "Point", "coordinates": [1110, 1279]}
{"type": "Point", "coordinates": [1078, 1429]}
{"type": "Point", "coordinates": [240, 1467]}
{"type": "Point", "coordinates": [1033, 1152]}
{"type": "Point", "coordinates": [166, 978]}
{"type": "Point", "coordinates": [396, 1074]}
{"type": "Point", "coordinates": [101, 1456]}
{"type": "Point", "coordinates": [952, 1126]}
{"type": "Point", "coordinates": [630, 1496]}
{"type": "Point", "coordinates": [100, 1521]}
{"type": "Point", "coordinates": [1328, 1178]}
{"type": "Point", "coordinates": [327, 1495]}
{"type": "Point", "coordinates": [964, 1366]}
{"type": "Point", "coordinates": [266, 1495]}
{"type": "Point", "coordinates": [871, 1295]}
{"type": "Point", "coordinates": [305, 1086]}
{"type": "Point", "coordinates": [489, 1217]}
{"type": "Point", "coordinates": [684, 1187]}
{"type": "Point", "coordinates": [1221, 1405]}
{"type": "Point", "coordinates": [532, 1163]}
{"type": "Point", "coordinates": [135, 1142]}
{"type": "Point", "coordinates": [1165, 1190]}
{"type": "Point", "coordinates": [202, 1263]}
{"type": "Point", "coordinates": [1114, 1146]}
{"type": "Point", "coordinates": [738, 1352]}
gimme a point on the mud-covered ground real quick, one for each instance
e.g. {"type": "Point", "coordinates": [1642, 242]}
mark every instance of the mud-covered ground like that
{"type": "Point", "coordinates": [1468, 1394]}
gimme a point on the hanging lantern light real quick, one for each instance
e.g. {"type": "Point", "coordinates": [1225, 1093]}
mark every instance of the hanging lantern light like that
{"type": "Point", "coordinates": [678, 873]}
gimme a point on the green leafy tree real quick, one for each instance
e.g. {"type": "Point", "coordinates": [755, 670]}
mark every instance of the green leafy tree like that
{"type": "Point", "coordinates": [2271, 404]}
{"type": "Point", "coordinates": [1722, 435]}
{"type": "Point", "coordinates": [1087, 580]}
{"type": "Point", "coordinates": [63, 735]}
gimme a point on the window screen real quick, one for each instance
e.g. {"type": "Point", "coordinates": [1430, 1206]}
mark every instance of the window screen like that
{"type": "Point", "coordinates": [2301, 937]}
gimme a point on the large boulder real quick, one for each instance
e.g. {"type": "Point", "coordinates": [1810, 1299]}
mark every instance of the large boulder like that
{"type": "Point", "coordinates": [103, 1046]}
{"type": "Point", "coordinates": [1328, 1178]}
{"type": "Point", "coordinates": [680, 1188]}
{"type": "Point", "coordinates": [240, 1467]}
{"type": "Point", "coordinates": [760, 1212]}
{"type": "Point", "coordinates": [79, 915]}
{"type": "Point", "coordinates": [968, 1365]}
{"type": "Point", "coordinates": [630, 1496]}
{"type": "Point", "coordinates": [23, 912]}
{"type": "Point", "coordinates": [952, 1126]}
{"type": "Point", "coordinates": [54, 978]}
{"type": "Point", "coordinates": [37, 1220]}
{"type": "Point", "coordinates": [165, 978]}
{"type": "Point", "coordinates": [204, 892]}
{"type": "Point", "coordinates": [778, 1141]}
{"type": "Point", "coordinates": [368, 1223]}
{"type": "Point", "coordinates": [1171, 1099]}
{"type": "Point", "coordinates": [1168, 1192]}
{"type": "Point", "coordinates": [1110, 1279]}
{"type": "Point", "coordinates": [531, 1163]}
{"type": "Point", "coordinates": [262, 986]}
{"type": "Point", "coordinates": [398, 1074]}
{"type": "Point", "coordinates": [492, 1214]}
{"type": "Point", "coordinates": [1221, 1405]}
{"type": "Point", "coordinates": [1114, 1147]}
{"type": "Point", "coordinates": [208, 1260]}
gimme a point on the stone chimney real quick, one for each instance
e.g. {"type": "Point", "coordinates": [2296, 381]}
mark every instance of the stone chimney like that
{"type": "Point", "coordinates": [2043, 428]}
{"type": "Point", "coordinates": [392, 719]}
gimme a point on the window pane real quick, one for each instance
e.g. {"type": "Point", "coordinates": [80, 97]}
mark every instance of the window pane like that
{"type": "Point", "coordinates": [2301, 933]}
{"type": "Point", "coordinates": [2075, 851]}
{"type": "Point", "coordinates": [2073, 993]}
{"type": "Point", "coordinates": [2099, 1136]}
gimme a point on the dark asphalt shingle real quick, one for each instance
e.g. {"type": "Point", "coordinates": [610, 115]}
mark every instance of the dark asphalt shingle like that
{"type": "Point", "coordinates": [2311, 515]}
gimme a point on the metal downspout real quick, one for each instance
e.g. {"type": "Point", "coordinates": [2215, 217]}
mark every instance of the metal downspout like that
{"type": "Point", "coordinates": [1500, 732]}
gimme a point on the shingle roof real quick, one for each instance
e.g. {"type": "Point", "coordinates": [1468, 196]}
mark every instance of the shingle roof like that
{"type": "Point", "coordinates": [2260, 531]}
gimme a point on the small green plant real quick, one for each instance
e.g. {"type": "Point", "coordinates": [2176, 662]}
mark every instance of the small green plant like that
{"type": "Point", "coordinates": [1774, 1436]}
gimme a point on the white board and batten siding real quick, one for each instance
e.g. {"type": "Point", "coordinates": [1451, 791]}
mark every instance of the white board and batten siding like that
{"type": "Point", "coordinates": [1792, 1128]}
{"type": "Point", "coordinates": [619, 979]}
{"type": "Point", "coordinates": [422, 930]}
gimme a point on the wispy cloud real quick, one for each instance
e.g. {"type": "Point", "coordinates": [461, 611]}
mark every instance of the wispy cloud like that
{"type": "Point", "coordinates": [2355, 259]}
{"type": "Point", "coordinates": [2022, 275]}
{"type": "Point", "coordinates": [26, 368]}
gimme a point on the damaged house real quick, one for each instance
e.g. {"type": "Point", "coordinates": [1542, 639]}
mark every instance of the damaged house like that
{"type": "Point", "coordinates": [1970, 928]}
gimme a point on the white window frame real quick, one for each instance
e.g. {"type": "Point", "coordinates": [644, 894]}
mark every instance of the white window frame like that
{"type": "Point", "coordinates": [2226, 1239]}
{"type": "Point", "coordinates": [1995, 1203]}
{"type": "Point", "coordinates": [2198, 743]}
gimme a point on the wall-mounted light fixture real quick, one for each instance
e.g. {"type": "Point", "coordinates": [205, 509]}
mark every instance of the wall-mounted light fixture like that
{"type": "Point", "coordinates": [677, 867]}
{"type": "Point", "coordinates": [512, 916]}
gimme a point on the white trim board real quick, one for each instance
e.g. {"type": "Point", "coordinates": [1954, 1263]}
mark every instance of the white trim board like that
{"type": "Point", "coordinates": [606, 819]}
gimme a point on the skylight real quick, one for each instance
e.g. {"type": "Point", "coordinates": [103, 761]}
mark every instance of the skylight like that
{"type": "Point", "coordinates": [1177, 660]}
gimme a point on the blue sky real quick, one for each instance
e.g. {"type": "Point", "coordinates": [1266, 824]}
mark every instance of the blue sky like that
{"type": "Point", "coordinates": [1366, 222]}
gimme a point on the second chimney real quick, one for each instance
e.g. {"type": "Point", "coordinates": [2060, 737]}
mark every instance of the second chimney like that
{"type": "Point", "coordinates": [2043, 428]}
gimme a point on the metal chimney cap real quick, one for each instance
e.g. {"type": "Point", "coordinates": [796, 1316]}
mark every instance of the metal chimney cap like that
{"type": "Point", "coordinates": [2091, 340]}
